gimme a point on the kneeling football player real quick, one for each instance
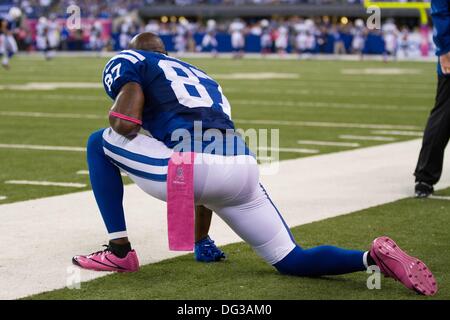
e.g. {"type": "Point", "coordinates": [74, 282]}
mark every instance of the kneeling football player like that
{"type": "Point", "coordinates": [164, 95]}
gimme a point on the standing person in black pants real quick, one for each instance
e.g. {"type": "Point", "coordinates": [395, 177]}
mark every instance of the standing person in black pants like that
{"type": "Point", "coordinates": [437, 132]}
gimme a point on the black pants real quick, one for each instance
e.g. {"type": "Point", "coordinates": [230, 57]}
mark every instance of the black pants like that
{"type": "Point", "coordinates": [436, 136]}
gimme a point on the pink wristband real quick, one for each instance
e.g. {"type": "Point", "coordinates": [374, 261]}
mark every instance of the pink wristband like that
{"type": "Point", "coordinates": [124, 117]}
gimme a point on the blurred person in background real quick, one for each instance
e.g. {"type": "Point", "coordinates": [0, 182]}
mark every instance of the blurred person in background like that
{"type": "Point", "coordinates": [359, 33]}
{"type": "Point", "coordinates": [237, 30]}
{"type": "Point", "coordinates": [390, 37]}
{"type": "Point", "coordinates": [266, 40]}
{"type": "Point", "coordinates": [127, 30]}
{"type": "Point", "coordinates": [8, 25]}
{"type": "Point", "coordinates": [282, 38]}
{"type": "Point", "coordinates": [53, 36]}
{"type": "Point", "coordinates": [180, 40]}
{"type": "Point", "coordinates": [152, 26]}
{"type": "Point", "coordinates": [339, 46]}
{"type": "Point", "coordinates": [41, 35]}
{"type": "Point", "coordinates": [96, 42]}
{"type": "Point", "coordinates": [403, 43]}
{"type": "Point", "coordinates": [209, 41]}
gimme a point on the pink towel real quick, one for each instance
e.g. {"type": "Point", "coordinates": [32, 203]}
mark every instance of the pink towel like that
{"type": "Point", "coordinates": [180, 201]}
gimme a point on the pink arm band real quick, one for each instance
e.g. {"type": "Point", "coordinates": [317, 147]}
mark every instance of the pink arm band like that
{"type": "Point", "coordinates": [124, 117]}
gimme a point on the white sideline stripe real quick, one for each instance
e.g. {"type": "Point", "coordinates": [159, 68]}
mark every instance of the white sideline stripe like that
{"type": "Point", "coordinates": [47, 86]}
{"type": "Point", "coordinates": [39, 147]}
{"type": "Point", "coordinates": [334, 93]}
{"type": "Point", "coordinates": [439, 197]}
{"type": "Point", "coordinates": [367, 138]}
{"type": "Point", "coordinates": [294, 150]}
{"type": "Point", "coordinates": [73, 225]}
{"type": "Point", "coordinates": [244, 121]}
{"type": "Point", "coordinates": [86, 173]}
{"type": "Point", "coordinates": [43, 97]}
{"type": "Point", "coordinates": [399, 133]}
{"type": "Point", "coordinates": [50, 115]}
{"type": "Point", "coordinates": [3, 198]}
{"type": "Point", "coordinates": [329, 143]}
{"type": "Point", "coordinates": [265, 159]}
{"type": "Point", "coordinates": [159, 170]}
{"type": "Point", "coordinates": [326, 105]}
{"type": "Point", "coordinates": [46, 183]}
{"type": "Point", "coordinates": [255, 76]}
{"type": "Point", "coordinates": [326, 124]}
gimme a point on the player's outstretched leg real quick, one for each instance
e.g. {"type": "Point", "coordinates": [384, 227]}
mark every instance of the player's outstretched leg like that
{"type": "Point", "coordinates": [259, 223]}
{"type": "Point", "coordinates": [384, 253]}
{"type": "Point", "coordinates": [107, 185]}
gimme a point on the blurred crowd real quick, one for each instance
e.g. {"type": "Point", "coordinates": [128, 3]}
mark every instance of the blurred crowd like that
{"type": "Point", "coordinates": [99, 32]}
{"type": "Point", "coordinates": [115, 8]}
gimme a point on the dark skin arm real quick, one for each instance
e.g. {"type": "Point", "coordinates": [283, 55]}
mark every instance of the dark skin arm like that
{"type": "Point", "coordinates": [130, 102]}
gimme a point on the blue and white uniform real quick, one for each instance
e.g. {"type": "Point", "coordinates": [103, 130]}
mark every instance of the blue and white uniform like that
{"type": "Point", "coordinates": [176, 95]}
{"type": "Point", "coordinates": [8, 44]}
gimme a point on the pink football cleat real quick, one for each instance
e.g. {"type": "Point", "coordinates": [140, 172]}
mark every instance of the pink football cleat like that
{"type": "Point", "coordinates": [107, 261]}
{"type": "Point", "coordinates": [395, 263]}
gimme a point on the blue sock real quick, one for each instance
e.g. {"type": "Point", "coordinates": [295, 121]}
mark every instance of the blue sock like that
{"type": "Point", "coordinates": [107, 185]}
{"type": "Point", "coordinates": [321, 261]}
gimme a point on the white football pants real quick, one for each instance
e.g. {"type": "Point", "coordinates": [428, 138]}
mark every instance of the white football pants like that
{"type": "Point", "coordinates": [228, 185]}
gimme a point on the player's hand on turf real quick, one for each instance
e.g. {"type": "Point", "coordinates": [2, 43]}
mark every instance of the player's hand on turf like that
{"type": "Point", "coordinates": [445, 63]}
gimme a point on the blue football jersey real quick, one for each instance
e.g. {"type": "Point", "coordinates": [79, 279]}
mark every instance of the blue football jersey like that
{"type": "Point", "coordinates": [176, 93]}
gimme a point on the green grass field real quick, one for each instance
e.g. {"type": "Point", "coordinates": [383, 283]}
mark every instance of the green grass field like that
{"type": "Point", "coordinates": [246, 276]}
{"type": "Point", "coordinates": [325, 101]}
{"type": "Point", "coordinates": [321, 93]}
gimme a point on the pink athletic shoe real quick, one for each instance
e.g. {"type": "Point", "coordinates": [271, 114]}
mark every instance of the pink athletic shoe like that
{"type": "Point", "coordinates": [395, 263]}
{"type": "Point", "coordinates": [107, 261]}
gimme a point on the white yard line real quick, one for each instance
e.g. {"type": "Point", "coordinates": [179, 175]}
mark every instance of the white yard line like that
{"type": "Point", "coordinates": [329, 143]}
{"type": "Point", "coordinates": [333, 93]}
{"type": "Point", "coordinates": [47, 183]}
{"type": "Point", "coordinates": [243, 121]}
{"type": "Point", "coordinates": [51, 115]}
{"type": "Point", "coordinates": [305, 190]}
{"type": "Point", "coordinates": [45, 86]}
{"type": "Point", "coordinates": [293, 150]}
{"type": "Point", "coordinates": [326, 124]}
{"type": "Point", "coordinates": [327, 105]}
{"type": "Point", "coordinates": [86, 173]}
{"type": "Point", "coordinates": [365, 138]}
{"type": "Point", "coordinates": [265, 159]}
{"type": "Point", "coordinates": [440, 197]}
{"type": "Point", "coordinates": [40, 147]}
{"type": "Point", "coordinates": [53, 97]}
{"type": "Point", "coordinates": [399, 133]}
{"type": "Point", "coordinates": [255, 76]}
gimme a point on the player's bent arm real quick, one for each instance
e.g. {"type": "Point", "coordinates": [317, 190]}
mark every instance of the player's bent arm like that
{"type": "Point", "coordinates": [126, 113]}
